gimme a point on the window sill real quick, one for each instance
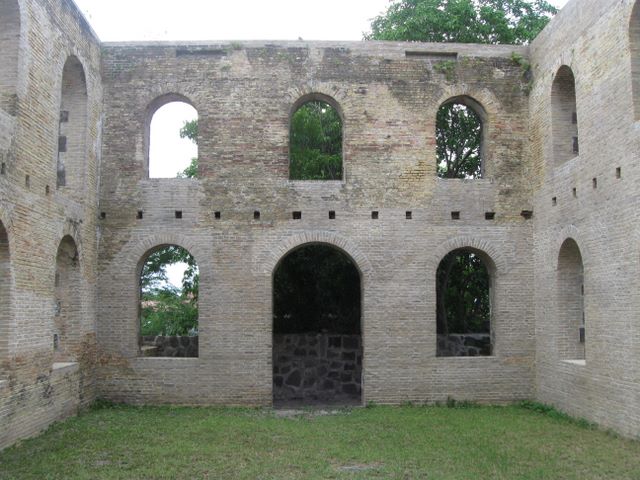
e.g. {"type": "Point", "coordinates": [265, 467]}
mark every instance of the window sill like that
{"type": "Point", "coordinates": [581, 363]}
{"type": "Point", "coordinates": [63, 368]}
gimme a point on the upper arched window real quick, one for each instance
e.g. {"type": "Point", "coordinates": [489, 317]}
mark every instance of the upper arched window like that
{"type": "Point", "coordinates": [72, 139]}
{"type": "Point", "coordinates": [463, 299]}
{"type": "Point", "coordinates": [571, 313]}
{"type": "Point", "coordinates": [9, 53]}
{"type": "Point", "coordinates": [5, 292]}
{"type": "Point", "coordinates": [460, 138]}
{"type": "Point", "coordinates": [169, 280]}
{"type": "Point", "coordinates": [634, 41]}
{"type": "Point", "coordinates": [171, 138]}
{"type": "Point", "coordinates": [564, 116]}
{"type": "Point", "coordinates": [316, 135]}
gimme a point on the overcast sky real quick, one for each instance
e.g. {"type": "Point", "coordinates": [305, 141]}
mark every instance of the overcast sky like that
{"type": "Point", "coordinates": [120, 20]}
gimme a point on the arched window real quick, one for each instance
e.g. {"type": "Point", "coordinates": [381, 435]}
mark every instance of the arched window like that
{"type": "Point", "coordinates": [634, 41]}
{"type": "Point", "coordinates": [171, 138]}
{"type": "Point", "coordinates": [463, 299]}
{"type": "Point", "coordinates": [564, 116]}
{"type": "Point", "coordinates": [317, 341]}
{"type": "Point", "coordinates": [9, 53]}
{"type": "Point", "coordinates": [5, 292]}
{"type": "Point", "coordinates": [315, 139]}
{"type": "Point", "coordinates": [68, 294]}
{"type": "Point", "coordinates": [570, 291]}
{"type": "Point", "coordinates": [460, 138]}
{"type": "Point", "coordinates": [169, 281]}
{"type": "Point", "coordinates": [72, 139]}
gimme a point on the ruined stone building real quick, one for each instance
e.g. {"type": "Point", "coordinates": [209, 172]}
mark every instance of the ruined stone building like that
{"type": "Point", "coordinates": [554, 216]}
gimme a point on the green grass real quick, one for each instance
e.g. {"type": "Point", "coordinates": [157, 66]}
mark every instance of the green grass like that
{"type": "Point", "coordinates": [529, 441]}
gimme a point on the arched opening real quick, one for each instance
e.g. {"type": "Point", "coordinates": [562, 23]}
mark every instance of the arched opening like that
{"type": "Point", "coordinates": [463, 298]}
{"type": "Point", "coordinates": [168, 311]}
{"type": "Point", "coordinates": [5, 292]}
{"type": "Point", "coordinates": [317, 340]}
{"type": "Point", "coordinates": [564, 116]}
{"type": "Point", "coordinates": [172, 138]}
{"type": "Point", "coordinates": [72, 138]}
{"type": "Point", "coordinates": [570, 291]}
{"type": "Point", "coordinates": [315, 139]}
{"type": "Point", "coordinates": [634, 43]}
{"type": "Point", "coordinates": [9, 53]}
{"type": "Point", "coordinates": [460, 138]}
{"type": "Point", "coordinates": [68, 307]}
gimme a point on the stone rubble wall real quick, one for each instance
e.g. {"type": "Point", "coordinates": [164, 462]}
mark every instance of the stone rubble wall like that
{"type": "Point", "coordinates": [317, 367]}
{"type": "Point", "coordinates": [464, 345]}
{"type": "Point", "coordinates": [175, 346]}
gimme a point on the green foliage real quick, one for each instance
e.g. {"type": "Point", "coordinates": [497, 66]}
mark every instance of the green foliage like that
{"type": "Point", "coordinates": [316, 288]}
{"type": "Point", "coordinates": [316, 142]}
{"type": "Point", "coordinates": [168, 442]}
{"type": "Point", "coordinates": [166, 310]}
{"type": "Point", "coordinates": [447, 68]}
{"type": "Point", "coordinates": [462, 290]}
{"type": "Point", "coordinates": [190, 130]}
{"type": "Point", "coordinates": [458, 141]}
{"type": "Point", "coordinates": [462, 21]}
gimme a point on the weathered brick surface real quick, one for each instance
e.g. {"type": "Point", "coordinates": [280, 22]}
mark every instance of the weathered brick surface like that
{"type": "Point", "coordinates": [592, 38]}
{"type": "Point", "coordinates": [32, 392]}
{"type": "Point", "coordinates": [244, 93]}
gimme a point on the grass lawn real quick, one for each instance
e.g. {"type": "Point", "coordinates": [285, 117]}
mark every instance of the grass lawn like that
{"type": "Point", "coordinates": [409, 442]}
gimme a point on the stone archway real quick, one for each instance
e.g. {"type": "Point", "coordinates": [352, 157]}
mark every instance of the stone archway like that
{"type": "Point", "coordinates": [317, 327]}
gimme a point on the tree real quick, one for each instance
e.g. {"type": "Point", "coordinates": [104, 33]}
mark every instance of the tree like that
{"type": "Point", "coordinates": [316, 143]}
{"type": "Point", "coordinates": [511, 22]}
{"type": "Point", "coordinates": [458, 126]}
{"type": "Point", "coordinates": [167, 310]}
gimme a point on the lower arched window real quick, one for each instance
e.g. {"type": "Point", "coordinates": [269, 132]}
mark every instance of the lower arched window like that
{"type": "Point", "coordinates": [570, 291]}
{"type": "Point", "coordinates": [463, 289]}
{"type": "Point", "coordinates": [169, 281]}
{"type": "Point", "coordinates": [5, 289]}
{"type": "Point", "coordinates": [67, 335]}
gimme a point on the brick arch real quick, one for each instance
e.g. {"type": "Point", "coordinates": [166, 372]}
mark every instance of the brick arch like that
{"type": "Point", "coordinates": [70, 229]}
{"type": "Point", "coordinates": [570, 232]}
{"type": "Point", "coordinates": [136, 251]}
{"type": "Point", "coordinates": [310, 90]}
{"type": "Point", "coordinates": [278, 252]}
{"type": "Point", "coordinates": [496, 256]}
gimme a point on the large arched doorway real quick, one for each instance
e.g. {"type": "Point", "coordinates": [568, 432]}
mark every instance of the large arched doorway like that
{"type": "Point", "coordinates": [317, 334]}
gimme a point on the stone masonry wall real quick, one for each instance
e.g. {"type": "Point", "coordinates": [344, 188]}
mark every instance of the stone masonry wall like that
{"type": "Point", "coordinates": [317, 367]}
{"type": "Point", "coordinates": [158, 346]}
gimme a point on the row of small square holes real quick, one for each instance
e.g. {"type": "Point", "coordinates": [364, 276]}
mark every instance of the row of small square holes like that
{"type": "Point", "coordinates": [27, 178]}
{"type": "Point", "coordinates": [594, 184]}
{"type": "Point", "coordinates": [297, 215]}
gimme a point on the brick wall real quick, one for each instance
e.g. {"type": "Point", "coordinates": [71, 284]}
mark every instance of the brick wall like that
{"type": "Point", "coordinates": [36, 216]}
{"type": "Point", "coordinates": [592, 38]}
